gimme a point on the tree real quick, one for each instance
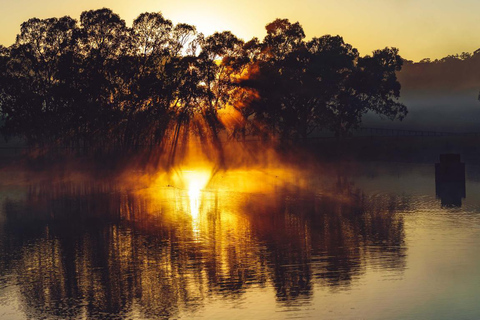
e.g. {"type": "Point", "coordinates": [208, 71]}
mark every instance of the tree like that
{"type": "Point", "coordinates": [280, 65]}
{"type": "Point", "coordinates": [371, 86]}
{"type": "Point", "coordinates": [323, 83]}
{"type": "Point", "coordinates": [101, 84]}
{"type": "Point", "coordinates": [34, 67]}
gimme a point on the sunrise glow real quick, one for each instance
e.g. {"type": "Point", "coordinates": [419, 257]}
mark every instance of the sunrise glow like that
{"type": "Point", "coordinates": [195, 182]}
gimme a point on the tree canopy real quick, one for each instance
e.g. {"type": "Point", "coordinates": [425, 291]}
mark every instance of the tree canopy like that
{"type": "Point", "coordinates": [97, 83]}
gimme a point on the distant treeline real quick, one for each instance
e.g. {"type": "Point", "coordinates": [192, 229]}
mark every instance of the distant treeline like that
{"type": "Point", "coordinates": [452, 73]}
{"type": "Point", "coordinates": [97, 83]}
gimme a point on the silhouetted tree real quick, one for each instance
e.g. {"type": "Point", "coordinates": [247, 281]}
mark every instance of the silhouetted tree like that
{"type": "Point", "coordinates": [280, 66]}
{"type": "Point", "coordinates": [322, 83]}
{"type": "Point", "coordinates": [36, 106]}
{"type": "Point", "coordinates": [148, 93]}
{"type": "Point", "coordinates": [101, 84]}
{"type": "Point", "coordinates": [364, 84]}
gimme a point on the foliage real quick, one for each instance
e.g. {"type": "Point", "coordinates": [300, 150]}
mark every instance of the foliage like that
{"type": "Point", "coordinates": [98, 83]}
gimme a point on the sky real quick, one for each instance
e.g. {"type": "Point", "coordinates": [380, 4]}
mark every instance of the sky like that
{"type": "Point", "coordinates": [419, 28]}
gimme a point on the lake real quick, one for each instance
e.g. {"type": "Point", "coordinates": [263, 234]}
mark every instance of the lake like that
{"type": "Point", "coordinates": [369, 240]}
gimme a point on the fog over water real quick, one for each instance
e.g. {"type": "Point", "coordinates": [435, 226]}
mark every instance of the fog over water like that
{"type": "Point", "coordinates": [435, 111]}
{"type": "Point", "coordinates": [440, 95]}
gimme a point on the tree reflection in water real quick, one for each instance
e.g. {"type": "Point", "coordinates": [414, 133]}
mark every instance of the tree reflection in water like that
{"type": "Point", "coordinates": [91, 249]}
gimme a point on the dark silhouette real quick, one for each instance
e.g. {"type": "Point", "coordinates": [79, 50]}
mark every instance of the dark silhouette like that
{"type": "Point", "coordinates": [450, 180]}
{"type": "Point", "coordinates": [98, 84]}
{"type": "Point", "coordinates": [323, 83]}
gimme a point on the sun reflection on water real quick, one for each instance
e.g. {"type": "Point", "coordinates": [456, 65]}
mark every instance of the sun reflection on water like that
{"type": "Point", "coordinates": [195, 182]}
{"type": "Point", "coordinates": [194, 239]}
{"type": "Point", "coordinates": [197, 194]}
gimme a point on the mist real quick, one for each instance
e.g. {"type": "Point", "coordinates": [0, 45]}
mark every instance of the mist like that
{"type": "Point", "coordinates": [441, 95]}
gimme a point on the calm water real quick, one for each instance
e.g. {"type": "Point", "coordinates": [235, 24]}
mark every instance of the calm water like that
{"type": "Point", "coordinates": [355, 241]}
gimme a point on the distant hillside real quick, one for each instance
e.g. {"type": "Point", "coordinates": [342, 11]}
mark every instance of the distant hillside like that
{"type": "Point", "coordinates": [452, 73]}
{"type": "Point", "coordinates": [441, 95]}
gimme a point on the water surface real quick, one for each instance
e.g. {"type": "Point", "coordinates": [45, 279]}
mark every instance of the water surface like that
{"type": "Point", "coordinates": [354, 241]}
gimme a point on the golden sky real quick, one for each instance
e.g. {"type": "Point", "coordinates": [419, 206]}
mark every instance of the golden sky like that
{"type": "Point", "coordinates": [419, 28]}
